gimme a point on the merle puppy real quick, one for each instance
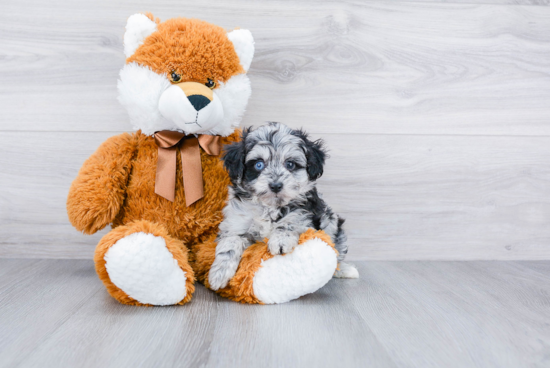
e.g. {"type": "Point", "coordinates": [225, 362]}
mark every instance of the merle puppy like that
{"type": "Point", "coordinates": [273, 170]}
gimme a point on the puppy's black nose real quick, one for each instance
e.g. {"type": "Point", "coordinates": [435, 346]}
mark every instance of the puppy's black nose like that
{"type": "Point", "coordinates": [198, 101]}
{"type": "Point", "coordinates": [276, 187]}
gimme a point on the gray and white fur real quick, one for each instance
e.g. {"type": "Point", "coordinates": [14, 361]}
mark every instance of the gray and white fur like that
{"type": "Point", "coordinates": [273, 172]}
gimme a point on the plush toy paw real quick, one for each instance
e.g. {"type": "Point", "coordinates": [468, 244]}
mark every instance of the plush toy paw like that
{"type": "Point", "coordinates": [141, 266]}
{"type": "Point", "coordinates": [305, 270]}
{"type": "Point", "coordinates": [263, 278]}
{"type": "Point", "coordinates": [145, 267]}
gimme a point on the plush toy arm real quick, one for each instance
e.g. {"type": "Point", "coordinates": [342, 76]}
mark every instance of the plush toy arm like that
{"type": "Point", "coordinates": [97, 193]}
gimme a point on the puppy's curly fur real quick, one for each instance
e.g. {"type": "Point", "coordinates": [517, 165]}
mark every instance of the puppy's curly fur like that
{"type": "Point", "coordinates": [273, 172]}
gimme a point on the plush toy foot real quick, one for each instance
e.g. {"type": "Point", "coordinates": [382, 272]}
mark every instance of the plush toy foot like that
{"type": "Point", "coordinates": [266, 279]}
{"type": "Point", "coordinates": [140, 264]}
{"type": "Point", "coordinates": [305, 270]}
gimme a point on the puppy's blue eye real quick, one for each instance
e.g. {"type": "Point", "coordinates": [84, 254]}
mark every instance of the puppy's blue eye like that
{"type": "Point", "coordinates": [259, 165]}
{"type": "Point", "coordinates": [290, 165]}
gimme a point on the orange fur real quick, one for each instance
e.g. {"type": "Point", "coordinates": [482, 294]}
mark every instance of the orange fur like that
{"type": "Point", "coordinates": [152, 17]}
{"type": "Point", "coordinates": [195, 49]}
{"type": "Point", "coordinates": [104, 192]}
{"type": "Point", "coordinates": [97, 193]}
{"type": "Point", "coordinates": [241, 286]}
{"type": "Point", "coordinates": [175, 246]}
{"type": "Point", "coordinates": [116, 185]}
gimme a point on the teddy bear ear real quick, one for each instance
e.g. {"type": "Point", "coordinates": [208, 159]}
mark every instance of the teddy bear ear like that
{"type": "Point", "coordinates": [138, 27]}
{"type": "Point", "coordinates": [243, 42]}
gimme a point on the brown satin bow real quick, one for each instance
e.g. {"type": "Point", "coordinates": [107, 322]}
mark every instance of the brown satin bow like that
{"type": "Point", "coordinates": [165, 181]}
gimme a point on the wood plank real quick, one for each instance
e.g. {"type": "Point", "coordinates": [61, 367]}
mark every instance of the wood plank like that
{"type": "Point", "coordinates": [493, 2]}
{"type": "Point", "coordinates": [317, 330]}
{"type": "Point", "coordinates": [492, 313]}
{"type": "Point", "coordinates": [391, 68]}
{"type": "Point", "coordinates": [212, 332]}
{"type": "Point", "coordinates": [398, 314]}
{"type": "Point", "coordinates": [36, 298]}
{"type": "Point", "coordinates": [404, 197]}
{"type": "Point", "coordinates": [430, 197]}
{"type": "Point", "coordinates": [36, 178]}
{"type": "Point", "coordinates": [124, 336]}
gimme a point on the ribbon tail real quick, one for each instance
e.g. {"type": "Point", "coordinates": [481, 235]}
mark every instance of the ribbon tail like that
{"type": "Point", "coordinates": [192, 170]}
{"type": "Point", "coordinates": [165, 181]}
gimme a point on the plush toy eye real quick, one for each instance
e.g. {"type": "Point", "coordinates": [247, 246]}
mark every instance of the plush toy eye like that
{"type": "Point", "coordinates": [259, 165]}
{"type": "Point", "coordinates": [290, 165]}
{"type": "Point", "coordinates": [175, 77]}
{"type": "Point", "coordinates": [210, 84]}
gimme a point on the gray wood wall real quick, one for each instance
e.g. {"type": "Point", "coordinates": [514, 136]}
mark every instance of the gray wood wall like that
{"type": "Point", "coordinates": [437, 115]}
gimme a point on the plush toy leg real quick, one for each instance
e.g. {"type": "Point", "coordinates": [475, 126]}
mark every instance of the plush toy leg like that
{"type": "Point", "coordinates": [266, 279]}
{"type": "Point", "coordinates": [140, 264]}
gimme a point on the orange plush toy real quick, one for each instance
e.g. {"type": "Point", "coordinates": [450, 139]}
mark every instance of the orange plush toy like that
{"type": "Point", "coordinates": [163, 188]}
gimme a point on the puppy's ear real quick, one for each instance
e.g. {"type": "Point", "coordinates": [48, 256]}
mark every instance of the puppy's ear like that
{"type": "Point", "coordinates": [315, 154]}
{"type": "Point", "coordinates": [233, 158]}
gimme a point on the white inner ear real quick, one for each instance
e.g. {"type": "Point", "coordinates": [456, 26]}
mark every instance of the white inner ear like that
{"type": "Point", "coordinates": [138, 28]}
{"type": "Point", "coordinates": [243, 42]}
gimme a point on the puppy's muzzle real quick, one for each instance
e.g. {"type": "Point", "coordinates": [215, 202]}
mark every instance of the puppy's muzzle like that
{"type": "Point", "coordinates": [276, 187]}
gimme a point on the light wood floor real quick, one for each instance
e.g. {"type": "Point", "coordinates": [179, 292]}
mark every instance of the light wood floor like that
{"type": "Point", "coordinates": [56, 313]}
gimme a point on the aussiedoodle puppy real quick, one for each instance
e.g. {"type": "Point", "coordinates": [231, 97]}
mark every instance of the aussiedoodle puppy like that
{"type": "Point", "coordinates": [273, 171]}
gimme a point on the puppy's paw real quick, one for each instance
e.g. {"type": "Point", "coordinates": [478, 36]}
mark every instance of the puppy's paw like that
{"type": "Point", "coordinates": [222, 270]}
{"type": "Point", "coordinates": [346, 271]}
{"type": "Point", "coordinates": [282, 243]}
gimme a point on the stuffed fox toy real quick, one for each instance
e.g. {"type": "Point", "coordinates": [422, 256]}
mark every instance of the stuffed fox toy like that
{"type": "Point", "coordinates": [162, 189]}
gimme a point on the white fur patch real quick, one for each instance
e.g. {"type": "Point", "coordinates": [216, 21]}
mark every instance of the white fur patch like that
{"type": "Point", "coordinates": [243, 42]}
{"type": "Point", "coordinates": [141, 266]}
{"type": "Point", "coordinates": [346, 271]}
{"type": "Point", "coordinates": [138, 27]}
{"type": "Point", "coordinates": [283, 278]}
{"type": "Point", "coordinates": [140, 90]}
{"type": "Point", "coordinates": [234, 95]}
{"type": "Point", "coordinates": [176, 107]}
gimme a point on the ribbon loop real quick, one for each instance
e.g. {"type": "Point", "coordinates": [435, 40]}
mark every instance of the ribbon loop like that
{"type": "Point", "coordinates": [168, 138]}
{"type": "Point", "coordinates": [165, 180]}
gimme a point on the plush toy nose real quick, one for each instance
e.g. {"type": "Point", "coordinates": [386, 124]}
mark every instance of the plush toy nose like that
{"type": "Point", "coordinates": [276, 187]}
{"type": "Point", "coordinates": [198, 101]}
{"type": "Point", "coordinates": [198, 94]}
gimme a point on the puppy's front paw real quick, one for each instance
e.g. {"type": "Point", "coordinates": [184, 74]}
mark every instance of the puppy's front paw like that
{"type": "Point", "coordinates": [282, 243]}
{"type": "Point", "coordinates": [222, 270]}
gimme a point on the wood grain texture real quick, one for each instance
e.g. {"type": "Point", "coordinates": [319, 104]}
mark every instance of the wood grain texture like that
{"type": "Point", "coordinates": [478, 2]}
{"type": "Point", "coordinates": [332, 67]}
{"type": "Point", "coordinates": [36, 298]}
{"type": "Point", "coordinates": [55, 313]}
{"type": "Point", "coordinates": [404, 197]}
{"type": "Point", "coordinates": [436, 113]}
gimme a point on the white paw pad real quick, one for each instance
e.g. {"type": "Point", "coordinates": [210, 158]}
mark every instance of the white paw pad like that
{"type": "Point", "coordinates": [283, 278]}
{"type": "Point", "coordinates": [141, 266]}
